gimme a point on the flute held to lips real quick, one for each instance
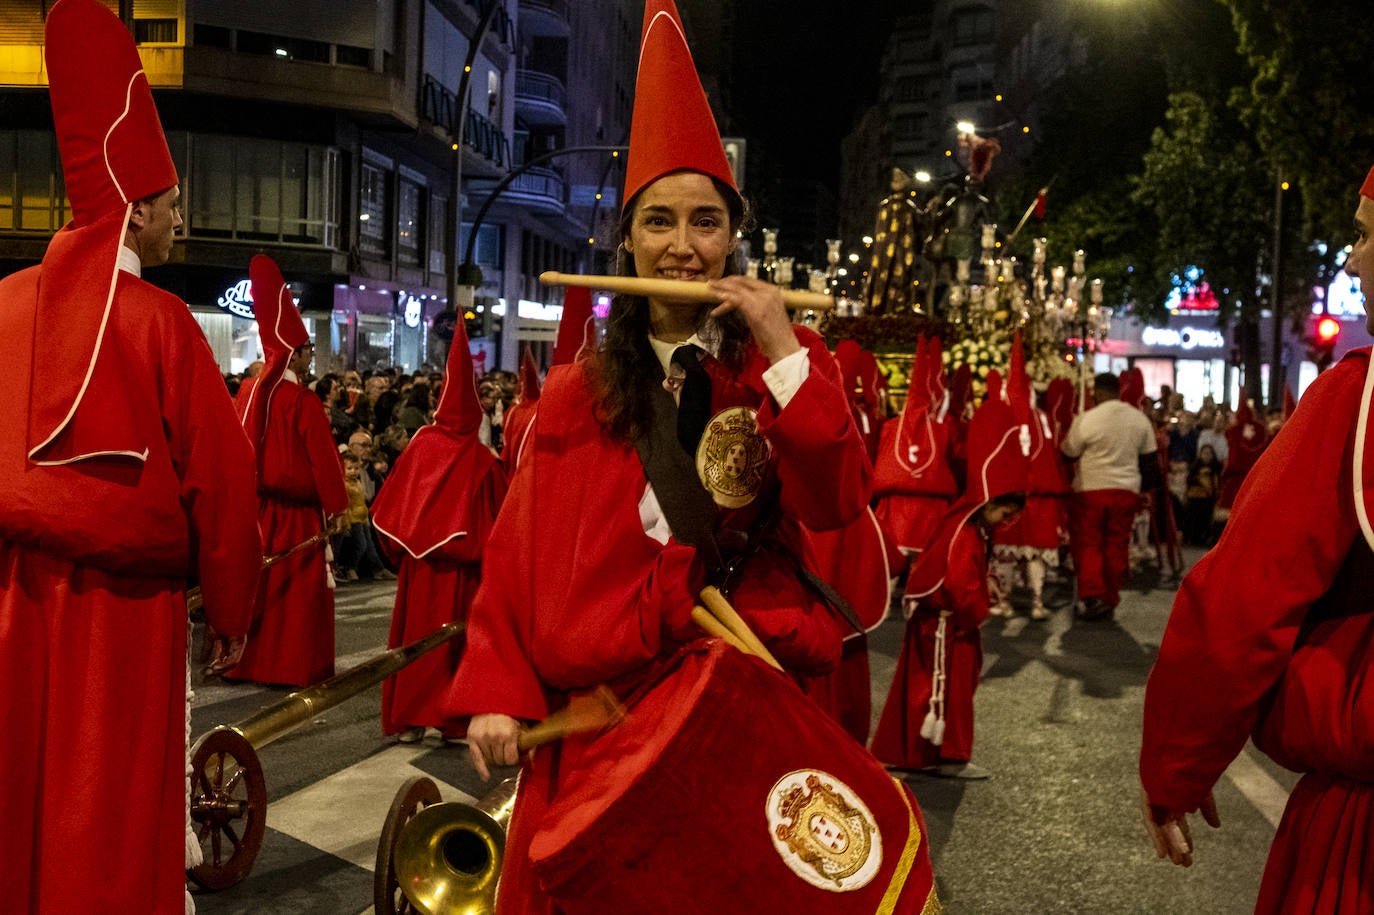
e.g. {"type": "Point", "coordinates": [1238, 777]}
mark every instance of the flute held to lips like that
{"type": "Point", "coordinates": [678, 289]}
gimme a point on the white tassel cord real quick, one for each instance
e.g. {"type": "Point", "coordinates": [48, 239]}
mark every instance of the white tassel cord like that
{"type": "Point", "coordinates": [933, 728]}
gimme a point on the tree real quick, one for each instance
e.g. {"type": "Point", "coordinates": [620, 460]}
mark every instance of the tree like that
{"type": "Point", "coordinates": [1308, 101]}
{"type": "Point", "coordinates": [1210, 192]}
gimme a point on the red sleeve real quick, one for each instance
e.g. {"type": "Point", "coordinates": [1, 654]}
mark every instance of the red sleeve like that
{"type": "Point", "coordinates": [215, 464]}
{"type": "Point", "coordinates": [322, 453]}
{"type": "Point", "coordinates": [1234, 621]}
{"type": "Point", "coordinates": [823, 466]}
{"type": "Point", "coordinates": [966, 579]}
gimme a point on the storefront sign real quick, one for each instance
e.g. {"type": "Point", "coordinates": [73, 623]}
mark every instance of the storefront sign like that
{"type": "Point", "coordinates": [1186, 338]}
{"type": "Point", "coordinates": [238, 300]}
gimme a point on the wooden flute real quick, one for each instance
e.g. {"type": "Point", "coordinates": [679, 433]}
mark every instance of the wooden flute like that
{"type": "Point", "coordinates": [677, 289]}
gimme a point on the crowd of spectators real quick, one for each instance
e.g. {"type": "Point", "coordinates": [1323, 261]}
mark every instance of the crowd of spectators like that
{"type": "Point", "coordinates": [373, 415]}
{"type": "Point", "coordinates": [1197, 453]}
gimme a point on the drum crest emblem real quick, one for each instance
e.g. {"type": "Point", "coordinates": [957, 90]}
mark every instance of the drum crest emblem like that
{"type": "Point", "coordinates": [732, 457]}
{"type": "Point", "coordinates": [824, 833]}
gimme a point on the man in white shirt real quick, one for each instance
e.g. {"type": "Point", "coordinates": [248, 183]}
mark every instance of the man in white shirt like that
{"type": "Point", "coordinates": [1108, 442]}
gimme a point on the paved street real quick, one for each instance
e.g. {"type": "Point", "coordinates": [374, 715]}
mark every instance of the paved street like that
{"type": "Point", "coordinates": [1054, 830]}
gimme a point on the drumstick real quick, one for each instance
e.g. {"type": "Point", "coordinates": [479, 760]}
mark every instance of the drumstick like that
{"type": "Point", "coordinates": [715, 628]}
{"type": "Point", "coordinates": [720, 608]}
{"type": "Point", "coordinates": [592, 712]}
{"type": "Point", "coordinates": [677, 289]}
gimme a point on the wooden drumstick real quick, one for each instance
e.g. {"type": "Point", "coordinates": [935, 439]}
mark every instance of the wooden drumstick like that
{"type": "Point", "coordinates": [720, 608]}
{"type": "Point", "coordinates": [592, 712]}
{"type": "Point", "coordinates": [715, 628]}
{"type": "Point", "coordinates": [685, 290]}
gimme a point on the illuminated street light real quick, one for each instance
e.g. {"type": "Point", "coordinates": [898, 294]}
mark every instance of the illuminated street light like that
{"type": "Point", "coordinates": [966, 127]}
{"type": "Point", "coordinates": [922, 176]}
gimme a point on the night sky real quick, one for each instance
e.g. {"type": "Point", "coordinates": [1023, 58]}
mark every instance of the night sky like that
{"type": "Point", "coordinates": [802, 71]}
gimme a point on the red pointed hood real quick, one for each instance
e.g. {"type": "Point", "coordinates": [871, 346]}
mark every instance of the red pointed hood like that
{"type": "Point", "coordinates": [1289, 403]}
{"type": "Point", "coordinates": [1133, 387]}
{"type": "Point", "coordinates": [997, 466]}
{"type": "Point", "coordinates": [1019, 393]}
{"type": "Point", "coordinates": [994, 382]}
{"type": "Point", "coordinates": [577, 328]}
{"type": "Point", "coordinates": [911, 452]}
{"type": "Point", "coordinates": [1246, 437]}
{"type": "Point", "coordinates": [460, 409]}
{"type": "Point", "coordinates": [432, 492]}
{"type": "Point", "coordinates": [113, 154]}
{"type": "Point", "coordinates": [281, 331]}
{"type": "Point", "coordinates": [935, 378]}
{"type": "Point", "coordinates": [111, 140]}
{"type": "Point", "coordinates": [1061, 401]}
{"type": "Point", "coordinates": [672, 128]}
{"type": "Point", "coordinates": [529, 378]}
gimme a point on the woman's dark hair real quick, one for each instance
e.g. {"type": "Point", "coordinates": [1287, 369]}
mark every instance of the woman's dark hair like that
{"type": "Point", "coordinates": [624, 369]}
{"type": "Point", "coordinates": [419, 396]}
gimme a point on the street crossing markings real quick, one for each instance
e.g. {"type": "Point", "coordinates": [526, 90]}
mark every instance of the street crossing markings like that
{"type": "Point", "coordinates": [343, 814]}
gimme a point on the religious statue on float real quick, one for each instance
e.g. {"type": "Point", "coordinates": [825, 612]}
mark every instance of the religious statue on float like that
{"type": "Point", "coordinates": [897, 240]}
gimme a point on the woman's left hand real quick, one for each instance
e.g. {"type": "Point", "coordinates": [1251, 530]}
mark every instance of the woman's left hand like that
{"type": "Point", "coordinates": [761, 305]}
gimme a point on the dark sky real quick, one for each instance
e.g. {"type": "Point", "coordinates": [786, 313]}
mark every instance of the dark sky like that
{"type": "Point", "coordinates": [802, 70]}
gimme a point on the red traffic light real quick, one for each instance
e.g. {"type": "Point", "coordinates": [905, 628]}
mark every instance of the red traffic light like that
{"type": "Point", "coordinates": [1328, 329]}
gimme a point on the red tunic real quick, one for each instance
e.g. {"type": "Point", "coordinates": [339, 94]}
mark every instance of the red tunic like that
{"type": "Point", "coordinates": [94, 559]}
{"type": "Point", "coordinates": [964, 596]}
{"type": "Point", "coordinates": [588, 597]}
{"type": "Point", "coordinates": [1227, 668]}
{"type": "Point", "coordinates": [300, 482]}
{"type": "Point", "coordinates": [432, 591]}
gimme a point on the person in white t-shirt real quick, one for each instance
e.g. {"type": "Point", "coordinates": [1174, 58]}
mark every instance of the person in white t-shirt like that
{"type": "Point", "coordinates": [1108, 442]}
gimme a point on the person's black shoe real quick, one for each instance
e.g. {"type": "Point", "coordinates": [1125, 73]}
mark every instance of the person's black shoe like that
{"type": "Point", "coordinates": [1094, 609]}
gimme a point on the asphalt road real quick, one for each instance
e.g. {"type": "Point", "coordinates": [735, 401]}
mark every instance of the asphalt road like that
{"type": "Point", "coordinates": [1054, 830]}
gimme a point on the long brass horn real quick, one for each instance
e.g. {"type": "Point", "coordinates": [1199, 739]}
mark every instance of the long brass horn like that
{"type": "Point", "coordinates": [448, 856]}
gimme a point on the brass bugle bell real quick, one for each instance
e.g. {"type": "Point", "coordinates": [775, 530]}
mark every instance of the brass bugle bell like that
{"type": "Point", "coordinates": [448, 856]}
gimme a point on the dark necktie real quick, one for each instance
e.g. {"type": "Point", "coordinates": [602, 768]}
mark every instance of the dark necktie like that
{"type": "Point", "coordinates": [694, 400]}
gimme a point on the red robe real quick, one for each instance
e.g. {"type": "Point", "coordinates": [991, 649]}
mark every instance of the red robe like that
{"type": "Point", "coordinates": [431, 591]}
{"type": "Point", "coordinates": [300, 482]}
{"type": "Point", "coordinates": [94, 561]}
{"type": "Point", "coordinates": [587, 597]}
{"type": "Point", "coordinates": [1227, 669]}
{"type": "Point", "coordinates": [964, 596]}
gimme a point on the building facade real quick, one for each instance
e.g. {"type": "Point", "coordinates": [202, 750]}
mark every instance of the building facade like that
{"type": "Point", "coordinates": [336, 143]}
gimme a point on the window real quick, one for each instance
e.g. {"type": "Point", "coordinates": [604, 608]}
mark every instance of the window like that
{"type": "Point", "coordinates": [373, 235]}
{"type": "Point", "coordinates": [350, 56]}
{"type": "Point", "coordinates": [281, 46]}
{"type": "Point", "coordinates": [408, 221]}
{"type": "Point", "coordinates": [973, 26]}
{"type": "Point", "coordinates": [486, 250]}
{"type": "Point", "coordinates": [155, 31]}
{"type": "Point", "coordinates": [212, 36]}
{"type": "Point", "coordinates": [263, 190]}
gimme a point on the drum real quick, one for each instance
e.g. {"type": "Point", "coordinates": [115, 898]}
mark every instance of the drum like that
{"type": "Point", "coordinates": [724, 790]}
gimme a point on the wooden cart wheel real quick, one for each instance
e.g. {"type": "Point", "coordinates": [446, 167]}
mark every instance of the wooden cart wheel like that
{"type": "Point", "coordinates": [228, 807]}
{"type": "Point", "coordinates": [415, 795]}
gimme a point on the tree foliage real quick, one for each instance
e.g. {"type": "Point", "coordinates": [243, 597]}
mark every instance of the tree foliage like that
{"type": "Point", "coordinates": [1210, 194]}
{"type": "Point", "coordinates": [1308, 102]}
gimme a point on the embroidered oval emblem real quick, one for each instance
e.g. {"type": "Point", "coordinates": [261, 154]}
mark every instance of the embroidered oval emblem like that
{"type": "Point", "coordinates": [823, 831]}
{"type": "Point", "coordinates": [732, 457]}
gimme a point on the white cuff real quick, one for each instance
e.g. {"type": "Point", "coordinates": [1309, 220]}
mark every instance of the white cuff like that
{"type": "Point", "coordinates": [784, 377]}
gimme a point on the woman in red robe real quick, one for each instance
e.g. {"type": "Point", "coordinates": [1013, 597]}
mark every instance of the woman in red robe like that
{"type": "Point", "coordinates": [435, 514]}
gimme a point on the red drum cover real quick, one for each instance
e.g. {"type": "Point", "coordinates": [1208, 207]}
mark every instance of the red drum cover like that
{"type": "Point", "coordinates": [727, 790]}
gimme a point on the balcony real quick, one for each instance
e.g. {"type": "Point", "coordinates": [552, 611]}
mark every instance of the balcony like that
{"type": "Point", "coordinates": [539, 189]}
{"type": "Point", "coordinates": [440, 107]}
{"type": "Point", "coordinates": [539, 99]}
{"type": "Point", "coordinates": [544, 18]}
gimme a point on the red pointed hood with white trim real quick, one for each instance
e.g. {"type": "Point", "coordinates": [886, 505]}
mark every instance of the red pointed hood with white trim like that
{"type": "Point", "coordinates": [577, 327]}
{"type": "Point", "coordinates": [113, 154]}
{"type": "Point", "coordinates": [672, 128]}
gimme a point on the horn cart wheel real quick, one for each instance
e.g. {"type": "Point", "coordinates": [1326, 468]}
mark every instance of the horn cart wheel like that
{"type": "Point", "coordinates": [228, 808]}
{"type": "Point", "coordinates": [415, 795]}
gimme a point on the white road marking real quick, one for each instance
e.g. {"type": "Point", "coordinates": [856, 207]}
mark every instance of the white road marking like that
{"type": "Point", "coordinates": [344, 813]}
{"type": "Point", "coordinates": [1258, 786]}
